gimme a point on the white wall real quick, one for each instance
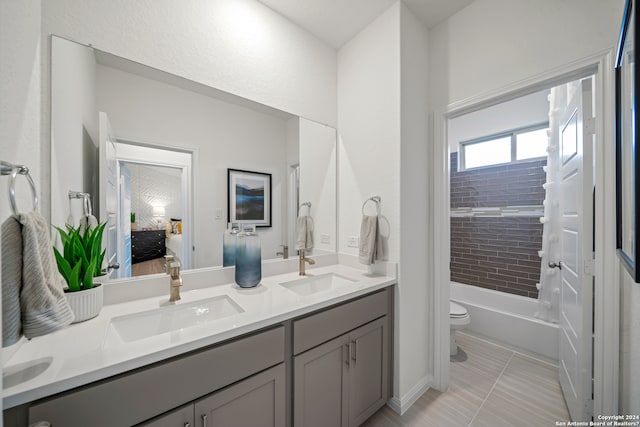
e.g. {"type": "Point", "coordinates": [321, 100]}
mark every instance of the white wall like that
{"type": "Point", "coordinates": [369, 127]}
{"type": "Point", "coordinates": [318, 177]}
{"type": "Point", "coordinates": [517, 113]}
{"type": "Point", "coordinates": [155, 186]}
{"type": "Point", "coordinates": [415, 300]}
{"type": "Point", "coordinates": [224, 135]}
{"type": "Point", "coordinates": [629, 386]}
{"type": "Point", "coordinates": [493, 43]}
{"type": "Point", "coordinates": [74, 128]}
{"type": "Point", "coordinates": [239, 46]}
{"type": "Point", "coordinates": [20, 92]}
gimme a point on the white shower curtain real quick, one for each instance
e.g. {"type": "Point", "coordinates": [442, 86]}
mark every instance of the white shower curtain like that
{"type": "Point", "coordinates": [549, 286]}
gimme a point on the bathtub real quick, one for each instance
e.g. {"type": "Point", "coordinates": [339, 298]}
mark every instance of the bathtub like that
{"type": "Point", "coordinates": [508, 320]}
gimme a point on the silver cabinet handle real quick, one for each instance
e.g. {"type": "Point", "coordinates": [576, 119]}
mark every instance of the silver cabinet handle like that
{"type": "Point", "coordinates": [351, 353]}
{"type": "Point", "coordinates": [355, 351]}
{"type": "Point", "coordinates": [187, 424]}
{"type": "Point", "coordinates": [204, 421]}
{"type": "Point", "coordinates": [347, 352]}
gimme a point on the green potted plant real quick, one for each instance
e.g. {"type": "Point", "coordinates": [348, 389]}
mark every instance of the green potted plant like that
{"type": "Point", "coordinates": [134, 226]}
{"type": "Point", "coordinates": [79, 264]}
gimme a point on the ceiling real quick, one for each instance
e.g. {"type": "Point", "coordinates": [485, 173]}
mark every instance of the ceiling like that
{"type": "Point", "coordinates": [338, 21]}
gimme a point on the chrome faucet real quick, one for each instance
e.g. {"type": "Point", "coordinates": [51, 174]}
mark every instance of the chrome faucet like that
{"type": "Point", "coordinates": [176, 281]}
{"type": "Point", "coordinates": [284, 253]}
{"type": "Point", "coordinates": [304, 259]}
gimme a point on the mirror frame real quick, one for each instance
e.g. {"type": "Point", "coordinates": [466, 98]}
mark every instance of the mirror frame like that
{"type": "Point", "coordinates": [630, 261]}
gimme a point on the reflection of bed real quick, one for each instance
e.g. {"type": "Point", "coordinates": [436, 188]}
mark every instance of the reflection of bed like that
{"type": "Point", "coordinates": [174, 245]}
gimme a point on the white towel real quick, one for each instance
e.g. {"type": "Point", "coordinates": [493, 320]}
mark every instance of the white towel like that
{"type": "Point", "coordinates": [43, 307]}
{"type": "Point", "coordinates": [372, 245]}
{"type": "Point", "coordinates": [304, 232]}
{"type": "Point", "coordinates": [88, 221]}
{"type": "Point", "coordinates": [11, 281]}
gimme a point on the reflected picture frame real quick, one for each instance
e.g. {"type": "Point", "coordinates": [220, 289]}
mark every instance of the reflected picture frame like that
{"type": "Point", "coordinates": [249, 197]}
{"type": "Point", "coordinates": [627, 160]}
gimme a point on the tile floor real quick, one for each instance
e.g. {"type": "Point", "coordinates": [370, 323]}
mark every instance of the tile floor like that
{"type": "Point", "coordinates": [490, 386]}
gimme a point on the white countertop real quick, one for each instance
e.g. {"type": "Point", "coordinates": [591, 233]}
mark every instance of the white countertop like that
{"type": "Point", "coordinates": [91, 350]}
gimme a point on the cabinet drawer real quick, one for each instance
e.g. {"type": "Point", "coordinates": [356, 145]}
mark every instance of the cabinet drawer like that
{"type": "Point", "coordinates": [328, 324]}
{"type": "Point", "coordinates": [136, 396]}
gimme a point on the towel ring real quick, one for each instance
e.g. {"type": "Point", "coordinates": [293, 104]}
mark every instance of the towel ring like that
{"type": "Point", "coordinates": [22, 170]}
{"type": "Point", "coordinates": [376, 199]}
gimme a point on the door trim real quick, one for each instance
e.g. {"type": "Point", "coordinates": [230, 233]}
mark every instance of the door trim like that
{"type": "Point", "coordinates": [606, 321]}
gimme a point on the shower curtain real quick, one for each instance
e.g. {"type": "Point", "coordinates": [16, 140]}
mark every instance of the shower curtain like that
{"type": "Point", "coordinates": [549, 286]}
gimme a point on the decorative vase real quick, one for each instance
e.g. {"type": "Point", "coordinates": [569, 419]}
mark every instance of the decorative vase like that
{"type": "Point", "coordinates": [248, 258]}
{"type": "Point", "coordinates": [85, 304]}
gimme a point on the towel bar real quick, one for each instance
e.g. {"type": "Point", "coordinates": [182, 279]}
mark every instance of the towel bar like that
{"type": "Point", "coordinates": [7, 168]}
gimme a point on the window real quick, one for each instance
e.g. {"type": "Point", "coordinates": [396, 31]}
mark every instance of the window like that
{"type": "Point", "coordinates": [517, 145]}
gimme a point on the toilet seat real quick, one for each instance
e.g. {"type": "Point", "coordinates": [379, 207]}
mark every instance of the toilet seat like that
{"type": "Point", "coordinates": [456, 310]}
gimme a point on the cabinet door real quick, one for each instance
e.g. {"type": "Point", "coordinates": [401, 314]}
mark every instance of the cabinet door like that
{"type": "Point", "coordinates": [368, 368]}
{"type": "Point", "coordinates": [181, 417]}
{"type": "Point", "coordinates": [320, 385]}
{"type": "Point", "coordinates": [257, 401]}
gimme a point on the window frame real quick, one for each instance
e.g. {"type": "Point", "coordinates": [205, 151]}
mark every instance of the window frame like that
{"type": "Point", "coordinates": [513, 134]}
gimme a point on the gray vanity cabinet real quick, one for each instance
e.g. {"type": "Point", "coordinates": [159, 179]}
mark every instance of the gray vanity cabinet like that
{"type": "Point", "coordinates": [257, 401]}
{"type": "Point", "coordinates": [344, 381]}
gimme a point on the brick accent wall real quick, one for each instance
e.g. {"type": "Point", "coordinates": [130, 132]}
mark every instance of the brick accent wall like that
{"type": "Point", "coordinates": [499, 253]}
{"type": "Point", "coordinates": [515, 184]}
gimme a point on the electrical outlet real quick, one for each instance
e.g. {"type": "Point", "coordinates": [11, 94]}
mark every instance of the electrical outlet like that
{"type": "Point", "coordinates": [218, 213]}
{"type": "Point", "coordinates": [352, 241]}
{"type": "Point", "coordinates": [325, 239]}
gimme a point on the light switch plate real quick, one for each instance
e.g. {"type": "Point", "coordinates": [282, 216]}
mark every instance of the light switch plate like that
{"type": "Point", "coordinates": [218, 213]}
{"type": "Point", "coordinates": [352, 241]}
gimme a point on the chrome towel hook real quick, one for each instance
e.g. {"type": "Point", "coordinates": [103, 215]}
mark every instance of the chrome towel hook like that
{"type": "Point", "coordinates": [7, 168]}
{"type": "Point", "coordinates": [307, 204]}
{"type": "Point", "coordinates": [377, 200]}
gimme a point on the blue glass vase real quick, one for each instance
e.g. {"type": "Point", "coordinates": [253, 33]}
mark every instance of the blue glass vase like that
{"type": "Point", "coordinates": [248, 257]}
{"type": "Point", "coordinates": [229, 244]}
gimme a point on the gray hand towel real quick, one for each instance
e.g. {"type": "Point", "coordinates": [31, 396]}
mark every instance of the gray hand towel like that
{"type": "Point", "coordinates": [368, 239]}
{"type": "Point", "coordinates": [373, 245]}
{"type": "Point", "coordinates": [304, 232]}
{"type": "Point", "coordinates": [43, 307]}
{"type": "Point", "coordinates": [11, 281]}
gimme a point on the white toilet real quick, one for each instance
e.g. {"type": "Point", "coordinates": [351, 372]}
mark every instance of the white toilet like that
{"type": "Point", "coordinates": [458, 319]}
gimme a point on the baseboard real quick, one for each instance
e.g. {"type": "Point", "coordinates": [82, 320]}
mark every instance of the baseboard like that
{"type": "Point", "coordinates": [400, 406]}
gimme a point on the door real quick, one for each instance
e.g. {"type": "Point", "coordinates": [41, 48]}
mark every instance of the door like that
{"type": "Point", "coordinates": [321, 385]}
{"type": "Point", "coordinates": [576, 289]}
{"type": "Point", "coordinates": [109, 191]}
{"type": "Point", "coordinates": [257, 401]}
{"type": "Point", "coordinates": [124, 218]}
{"type": "Point", "coordinates": [367, 370]}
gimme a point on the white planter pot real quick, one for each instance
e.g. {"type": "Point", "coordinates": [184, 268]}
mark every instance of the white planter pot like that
{"type": "Point", "coordinates": [86, 304]}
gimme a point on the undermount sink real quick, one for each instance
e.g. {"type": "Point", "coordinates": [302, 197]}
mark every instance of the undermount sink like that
{"type": "Point", "coordinates": [134, 327]}
{"type": "Point", "coordinates": [310, 285]}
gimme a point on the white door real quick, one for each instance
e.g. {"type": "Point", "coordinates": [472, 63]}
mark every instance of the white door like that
{"type": "Point", "coordinates": [109, 191]}
{"type": "Point", "coordinates": [576, 291]}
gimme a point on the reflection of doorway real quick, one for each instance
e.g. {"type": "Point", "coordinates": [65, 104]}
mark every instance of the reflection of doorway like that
{"type": "Point", "coordinates": [155, 185]}
{"type": "Point", "coordinates": [152, 195]}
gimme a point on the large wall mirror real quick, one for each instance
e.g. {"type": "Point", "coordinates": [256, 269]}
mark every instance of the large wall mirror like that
{"type": "Point", "coordinates": [141, 148]}
{"type": "Point", "coordinates": [627, 159]}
